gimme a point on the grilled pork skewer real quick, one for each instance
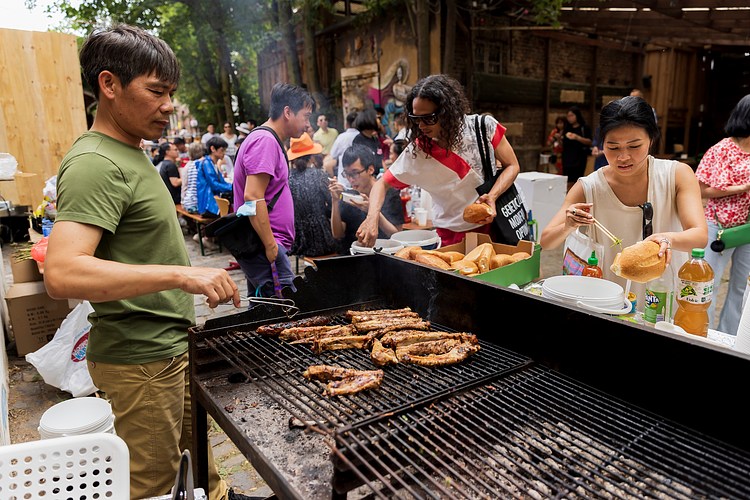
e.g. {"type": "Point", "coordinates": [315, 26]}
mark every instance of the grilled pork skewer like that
{"type": "Point", "coordinates": [428, 347]}
{"type": "Point", "coordinates": [377, 324]}
{"type": "Point", "coordinates": [382, 356]}
{"type": "Point", "coordinates": [328, 372]}
{"type": "Point", "coordinates": [302, 332]}
{"type": "Point", "coordinates": [407, 337]}
{"type": "Point", "coordinates": [455, 355]}
{"type": "Point", "coordinates": [352, 385]}
{"type": "Point", "coordinates": [276, 328]}
{"type": "Point", "coordinates": [381, 312]}
{"type": "Point", "coordinates": [341, 331]}
{"type": "Point", "coordinates": [337, 343]}
{"type": "Point", "coordinates": [361, 318]}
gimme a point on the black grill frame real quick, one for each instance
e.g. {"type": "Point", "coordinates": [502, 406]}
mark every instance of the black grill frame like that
{"type": "Point", "coordinates": [660, 374]}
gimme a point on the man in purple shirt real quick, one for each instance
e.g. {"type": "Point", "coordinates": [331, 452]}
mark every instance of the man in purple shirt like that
{"type": "Point", "coordinates": [261, 174]}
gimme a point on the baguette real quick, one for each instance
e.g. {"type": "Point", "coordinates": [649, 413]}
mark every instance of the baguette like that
{"type": "Point", "coordinates": [520, 256]}
{"type": "Point", "coordinates": [432, 260]}
{"type": "Point", "coordinates": [442, 255]}
{"type": "Point", "coordinates": [465, 267]}
{"type": "Point", "coordinates": [408, 252]}
{"type": "Point", "coordinates": [477, 212]}
{"type": "Point", "coordinates": [500, 260]}
{"type": "Point", "coordinates": [474, 254]}
{"type": "Point", "coordinates": [483, 262]}
{"type": "Point", "coordinates": [640, 262]}
{"type": "Point", "coordinates": [455, 256]}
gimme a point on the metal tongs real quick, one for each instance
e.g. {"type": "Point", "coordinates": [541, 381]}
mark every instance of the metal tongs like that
{"type": "Point", "coordinates": [288, 306]}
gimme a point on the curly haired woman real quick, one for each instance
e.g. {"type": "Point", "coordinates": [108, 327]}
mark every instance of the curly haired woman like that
{"type": "Point", "coordinates": [443, 159]}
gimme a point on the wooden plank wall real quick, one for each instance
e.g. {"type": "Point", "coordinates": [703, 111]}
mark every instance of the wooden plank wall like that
{"type": "Point", "coordinates": [673, 88]}
{"type": "Point", "coordinates": [41, 98]}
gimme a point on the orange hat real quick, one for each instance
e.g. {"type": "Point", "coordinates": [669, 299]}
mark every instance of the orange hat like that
{"type": "Point", "coordinates": [302, 147]}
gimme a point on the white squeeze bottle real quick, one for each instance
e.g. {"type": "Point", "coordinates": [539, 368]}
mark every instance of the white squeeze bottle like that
{"type": "Point", "coordinates": [659, 298]}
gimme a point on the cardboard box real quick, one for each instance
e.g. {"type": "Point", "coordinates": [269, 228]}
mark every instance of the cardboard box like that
{"type": "Point", "coordinates": [543, 195]}
{"type": "Point", "coordinates": [34, 315]}
{"type": "Point", "coordinates": [520, 273]}
{"type": "Point", "coordinates": [24, 271]}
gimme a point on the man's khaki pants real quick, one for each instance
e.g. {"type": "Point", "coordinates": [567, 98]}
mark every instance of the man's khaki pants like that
{"type": "Point", "coordinates": [152, 408]}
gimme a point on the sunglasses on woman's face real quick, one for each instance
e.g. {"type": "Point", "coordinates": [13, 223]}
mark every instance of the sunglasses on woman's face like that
{"type": "Point", "coordinates": [648, 217]}
{"type": "Point", "coordinates": [430, 119]}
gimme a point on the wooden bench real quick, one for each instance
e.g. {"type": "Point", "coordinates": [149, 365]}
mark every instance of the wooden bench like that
{"type": "Point", "coordinates": [199, 223]}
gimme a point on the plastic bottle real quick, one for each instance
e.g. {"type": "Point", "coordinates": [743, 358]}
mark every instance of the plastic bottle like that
{"type": "Point", "coordinates": [592, 269]}
{"type": "Point", "coordinates": [659, 298]}
{"type": "Point", "coordinates": [694, 292]}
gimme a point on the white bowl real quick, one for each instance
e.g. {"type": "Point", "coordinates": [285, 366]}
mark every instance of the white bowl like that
{"type": "Point", "coordinates": [425, 238]}
{"type": "Point", "coordinates": [382, 245]}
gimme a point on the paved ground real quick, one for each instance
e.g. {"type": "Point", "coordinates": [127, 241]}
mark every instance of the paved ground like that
{"type": "Point", "coordinates": [30, 397]}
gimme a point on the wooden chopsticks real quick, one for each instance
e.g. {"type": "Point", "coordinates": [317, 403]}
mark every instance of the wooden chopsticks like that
{"type": "Point", "coordinates": [607, 232]}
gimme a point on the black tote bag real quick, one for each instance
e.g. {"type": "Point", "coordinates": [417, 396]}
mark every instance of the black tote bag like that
{"type": "Point", "coordinates": [511, 221]}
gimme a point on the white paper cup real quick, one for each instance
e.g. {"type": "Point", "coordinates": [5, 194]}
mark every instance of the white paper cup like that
{"type": "Point", "coordinates": [421, 215]}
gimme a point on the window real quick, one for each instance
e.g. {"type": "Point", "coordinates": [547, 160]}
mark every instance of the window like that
{"type": "Point", "coordinates": [488, 57]}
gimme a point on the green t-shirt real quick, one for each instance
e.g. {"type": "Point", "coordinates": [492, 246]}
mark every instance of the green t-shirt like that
{"type": "Point", "coordinates": [114, 186]}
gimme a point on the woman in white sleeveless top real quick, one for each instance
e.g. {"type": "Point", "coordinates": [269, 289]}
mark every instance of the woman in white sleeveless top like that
{"type": "Point", "coordinates": [632, 185]}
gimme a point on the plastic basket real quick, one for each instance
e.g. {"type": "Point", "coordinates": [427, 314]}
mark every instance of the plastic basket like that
{"type": "Point", "coordinates": [88, 465]}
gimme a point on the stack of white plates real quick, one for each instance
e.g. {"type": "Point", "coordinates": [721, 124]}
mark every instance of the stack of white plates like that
{"type": "Point", "coordinates": [595, 294]}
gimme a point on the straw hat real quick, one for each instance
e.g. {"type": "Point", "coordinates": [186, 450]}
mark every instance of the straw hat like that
{"type": "Point", "coordinates": [302, 147]}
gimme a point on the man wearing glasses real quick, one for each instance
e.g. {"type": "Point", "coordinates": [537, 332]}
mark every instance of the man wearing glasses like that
{"type": "Point", "coordinates": [347, 214]}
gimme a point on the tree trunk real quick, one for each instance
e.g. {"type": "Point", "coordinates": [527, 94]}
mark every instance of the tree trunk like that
{"type": "Point", "coordinates": [289, 41]}
{"type": "Point", "coordinates": [449, 51]}
{"type": "Point", "coordinates": [423, 38]}
{"type": "Point", "coordinates": [310, 55]}
{"type": "Point", "coordinates": [225, 68]}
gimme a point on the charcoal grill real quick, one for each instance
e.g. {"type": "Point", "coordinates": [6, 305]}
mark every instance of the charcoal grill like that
{"type": "Point", "coordinates": [558, 402]}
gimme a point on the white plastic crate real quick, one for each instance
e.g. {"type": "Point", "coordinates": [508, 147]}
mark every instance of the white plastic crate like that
{"type": "Point", "coordinates": [91, 466]}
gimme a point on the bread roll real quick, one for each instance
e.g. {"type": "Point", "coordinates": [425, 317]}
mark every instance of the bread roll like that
{"type": "Point", "coordinates": [483, 262]}
{"type": "Point", "coordinates": [465, 267]}
{"type": "Point", "coordinates": [520, 256]}
{"type": "Point", "coordinates": [454, 256]}
{"type": "Point", "coordinates": [404, 253]}
{"type": "Point", "coordinates": [432, 260]}
{"type": "Point", "coordinates": [477, 212]}
{"type": "Point", "coordinates": [442, 255]}
{"type": "Point", "coordinates": [474, 254]}
{"type": "Point", "coordinates": [500, 260]}
{"type": "Point", "coordinates": [640, 262]}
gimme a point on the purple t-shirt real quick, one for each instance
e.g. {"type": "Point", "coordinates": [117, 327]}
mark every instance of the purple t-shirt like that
{"type": "Point", "coordinates": [260, 154]}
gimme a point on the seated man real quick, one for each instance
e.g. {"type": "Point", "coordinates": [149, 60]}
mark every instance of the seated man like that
{"type": "Point", "coordinates": [210, 179]}
{"type": "Point", "coordinates": [358, 163]}
{"type": "Point", "coordinates": [168, 171]}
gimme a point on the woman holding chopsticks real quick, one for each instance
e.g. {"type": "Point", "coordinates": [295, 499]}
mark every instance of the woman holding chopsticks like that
{"type": "Point", "coordinates": [635, 197]}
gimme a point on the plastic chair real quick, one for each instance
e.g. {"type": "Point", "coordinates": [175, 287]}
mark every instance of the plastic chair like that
{"type": "Point", "coordinates": [223, 205]}
{"type": "Point", "coordinates": [87, 465]}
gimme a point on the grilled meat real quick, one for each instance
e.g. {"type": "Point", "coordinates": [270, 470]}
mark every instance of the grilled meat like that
{"type": "Point", "coordinates": [336, 343]}
{"type": "Point", "coordinates": [342, 331]}
{"type": "Point", "coordinates": [361, 318]}
{"type": "Point", "coordinates": [313, 332]}
{"type": "Point", "coordinates": [376, 334]}
{"type": "Point", "coordinates": [382, 356]}
{"type": "Point", "coordinates": [400, 323]}
{"type": "Point", "coordinates": [379, 312]}
{"type": "Point", "coordinates": [455, 355]}
{"type": "Point", "coordinates": [407, 337]}
{"type": "Point", "coordinates": [276, 328]}
{"type": "Point", "coordinates": [428, 347]}
{"type": "Point", "coordinates": [328, 372]}
{"type": "Point", "coordinates": [352, 385]}
{"type": "Point", "coordinates": [344, 380]}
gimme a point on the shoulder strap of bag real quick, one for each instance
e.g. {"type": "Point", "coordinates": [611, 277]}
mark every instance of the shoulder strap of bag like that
{"type": "Point", "coordinates": [270, 204]}
{"type": "Point", "coordinates": [484, 150]}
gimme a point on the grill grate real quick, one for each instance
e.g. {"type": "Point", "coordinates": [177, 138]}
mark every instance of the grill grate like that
{"type": "Point", "coordinates": [276, 367]}
{"type": "Point", "coordinates": [538, 434]}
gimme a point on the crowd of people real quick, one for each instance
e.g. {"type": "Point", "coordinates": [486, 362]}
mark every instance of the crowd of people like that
{"type": "Point", "coordinates": [118, 244]}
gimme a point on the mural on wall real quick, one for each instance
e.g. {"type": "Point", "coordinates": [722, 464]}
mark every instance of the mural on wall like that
{"type": "Point", "coordinates": [363, 88]}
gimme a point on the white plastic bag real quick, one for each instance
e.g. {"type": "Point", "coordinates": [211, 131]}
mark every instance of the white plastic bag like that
{"type": "Point", "coordinates": [577, 250]}
{"type": "Point", "coordinates": [8, 166]}
{"type": "Point", "coordinates": [62, 362]}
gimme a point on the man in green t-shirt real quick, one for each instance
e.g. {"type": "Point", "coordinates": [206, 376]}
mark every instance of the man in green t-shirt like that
{"type": "Point", "coordinates": [117, 243]}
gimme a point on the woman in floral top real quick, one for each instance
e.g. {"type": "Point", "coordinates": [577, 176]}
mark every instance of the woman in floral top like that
{"type": "Point", "coordinates": [724, 175]}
